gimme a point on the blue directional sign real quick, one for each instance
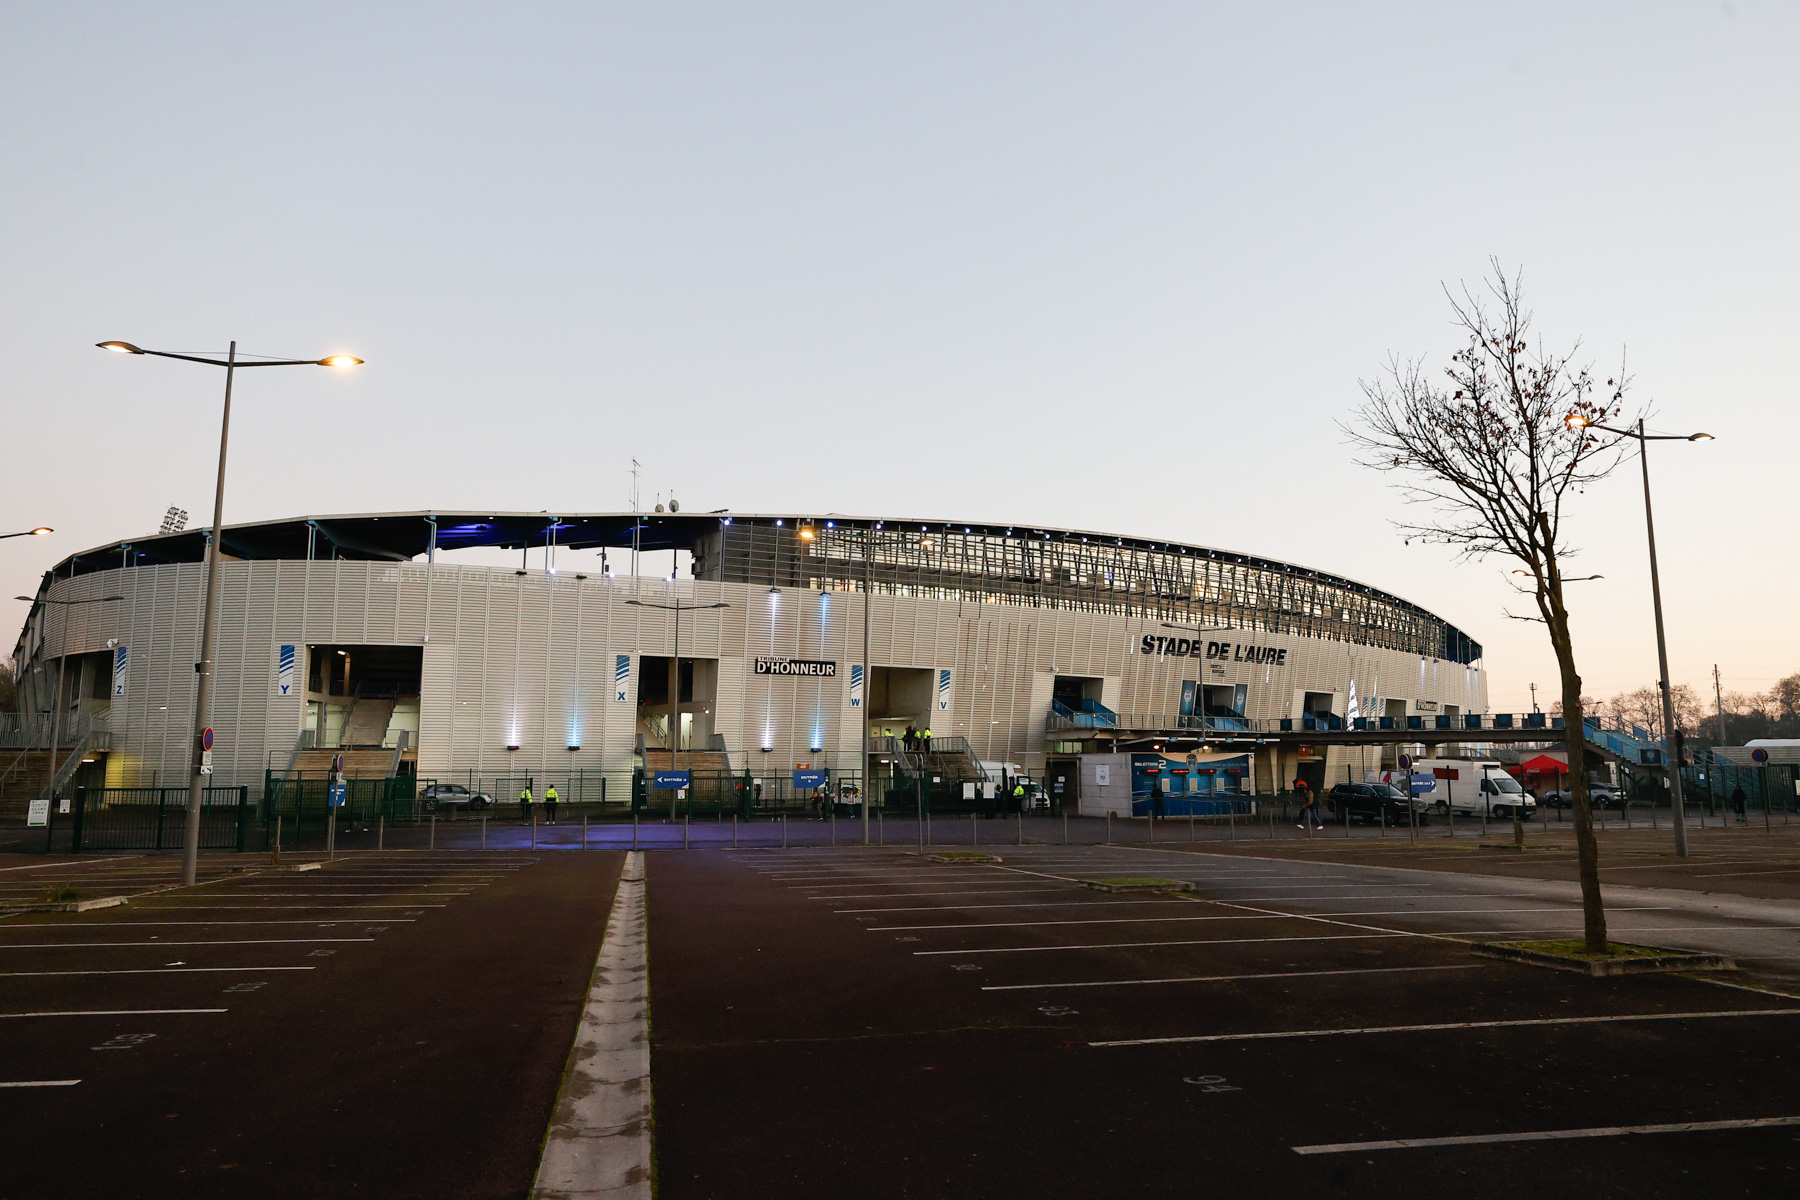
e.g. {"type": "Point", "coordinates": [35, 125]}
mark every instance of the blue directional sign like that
{"type": "Point", "coordinates": [335, 796]}
{"type": "Point", "coordinates": [672, 779]}
{"type": "Point", "coordinates": [810, 779]}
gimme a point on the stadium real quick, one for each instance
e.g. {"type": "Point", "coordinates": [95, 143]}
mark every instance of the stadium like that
{"type": "Point", "coordinates": [588, 665]}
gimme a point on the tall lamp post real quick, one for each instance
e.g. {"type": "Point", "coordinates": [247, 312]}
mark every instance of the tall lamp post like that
{"type": "Point", "coordinates": [62, 661]}
{"type": "Point", "coordinates": [1673, 770]}
{"type": "Point", "coordinates": [209, 618]}
{"type": "Point", "coordinates": [675, 676]}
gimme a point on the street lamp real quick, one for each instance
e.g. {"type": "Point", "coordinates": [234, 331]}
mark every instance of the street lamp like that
{"type": "Point", "coordinates": [1576, 421]}
{"type": "Point", "coordinates": [62, 662]}
{"type": "Point", "coordinates": [209, 619]}
{"type": "Point", "coordinates": [40, 531]}
{"type": "Point", "coordinates": [675, 677]}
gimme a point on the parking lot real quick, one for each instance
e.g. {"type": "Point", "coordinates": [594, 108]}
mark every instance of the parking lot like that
{"type": "Point", "coordinates": [386, 1025]}
{"type": "Point", "coordinates": [862, 1021]}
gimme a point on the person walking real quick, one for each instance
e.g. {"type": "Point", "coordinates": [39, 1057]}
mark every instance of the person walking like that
{"type": "Point", "coordinates": [525, 803]}
{"type": "Point", "coordinates": [1309, 805]}
{"type": "Point", "coordinates": [1737, 803]}
{"type": "Point", "coordinates": [550, 803]}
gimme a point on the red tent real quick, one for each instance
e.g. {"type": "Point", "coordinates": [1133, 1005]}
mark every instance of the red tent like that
{"type": "Point", "coordinates": [1543, 764]}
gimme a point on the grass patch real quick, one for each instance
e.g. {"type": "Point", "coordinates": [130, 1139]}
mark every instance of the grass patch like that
{"type": "Point", "coordinates": [62, 895]}
{"type": "Point", "coordinates": [1137, 881]}
{"type": "Point", "coordinates": [1578, 949]}
{"type": "Point", "coordinates": [965, 856]}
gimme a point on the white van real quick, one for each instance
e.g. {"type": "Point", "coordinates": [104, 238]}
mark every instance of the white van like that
{"type": "Point", "coordinates": [1467, 786]}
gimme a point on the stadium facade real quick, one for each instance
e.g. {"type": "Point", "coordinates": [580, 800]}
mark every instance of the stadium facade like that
{"type": "Point", "coordinates": [1020, 639]}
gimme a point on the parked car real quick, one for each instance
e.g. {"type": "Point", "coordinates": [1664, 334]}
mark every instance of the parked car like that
{"type": "Point", "coordinates": [1600, 795]}
{"type": "Point", "coordinates": [1368, 801]}
{"type": "Point", "coordinates": [453, 795]}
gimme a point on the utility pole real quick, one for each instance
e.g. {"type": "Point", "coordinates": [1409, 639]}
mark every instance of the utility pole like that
{"type": "Point", "coordinates": [868, 791]}
{"type": "Point", "coordinates": [1719, 699]}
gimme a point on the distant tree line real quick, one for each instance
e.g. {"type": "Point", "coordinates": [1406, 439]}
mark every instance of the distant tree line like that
{"type": "Point", "coordinates": [1748, 715]}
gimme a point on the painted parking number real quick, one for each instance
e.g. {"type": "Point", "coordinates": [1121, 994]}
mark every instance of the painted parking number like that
{"type": "Point", "coordinates": [1210, 1083]}
{"type": "Point", "coordinates": [124, 1041]}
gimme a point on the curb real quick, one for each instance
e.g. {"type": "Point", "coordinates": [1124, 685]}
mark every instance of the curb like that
{"type": "Point", "coordinates": [66, 905]}
{"type": "Point", "coordinates": [1673, 960]}
{"type": "Point", "coordinates": [958, 860]}
{"type": "Point", "coordinates": [1149, 885]}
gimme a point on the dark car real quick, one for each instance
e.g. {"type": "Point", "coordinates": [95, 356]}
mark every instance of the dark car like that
{"type": "Point", "coordinates": [1368, 801]}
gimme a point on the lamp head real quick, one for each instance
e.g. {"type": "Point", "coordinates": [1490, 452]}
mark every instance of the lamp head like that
{"type": "Point", "coordinates": [1576, 421]}
{"type": "Point", "coordinates": [1700, 437]}
{"type": "Point", "coordinates": [341, 360]}
{"type": "Point", "coordinates": [41, 530]}
{"type": "Point", "coordinates": [119, 347]}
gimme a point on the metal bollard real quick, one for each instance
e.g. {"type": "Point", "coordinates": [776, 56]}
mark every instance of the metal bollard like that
{"type": "Point", "coordinates": [880, 827]}
{"type": "Point", "coordinates": [534, 829]}
{"type": "Point", "coordinates": [1021, 829]}
{"type": "Point", "coordinates": [974, 831]}
{"type": "Point", "coordinates": [834, 824]}
{"type": "Point", "coordinates": [277, 835]}
{"type": "Point", "coordinates": [1150, 824]}
{"type": "Point", "coordinates": [928, 827]}
{"type": "Point", "coordinates": [380, 830]}
{"type": "Point", "coordinates": [685, 818]}
{"type": "Point", "coordinates": [484, 833]}
{"type": "Point", "coordinates": [634, 829]}
{"type": "Point", "coordinates": [432, 845]}
{"type": "Point", "coordinates": [1065, 818]}
{"type": "Point", "coordinates": [584, 829]}
{"type": "Point", "coordinates": [1109, 829]}
{"type": "Point", "coordinates": [784, 831]}
{"type": "Point", "coordinates": [734, 831]}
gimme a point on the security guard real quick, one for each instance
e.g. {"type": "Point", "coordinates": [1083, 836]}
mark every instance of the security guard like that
{"type": "Point", "coordinates": [925, 739]}
{"type": "Point", "coordinates": [525, 803]}
{"type": "Point", "coordinates": [550, 803]}
{"type": "Point", "coordinates": [1018, 797]}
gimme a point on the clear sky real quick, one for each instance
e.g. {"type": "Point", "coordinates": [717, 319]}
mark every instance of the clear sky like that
{"type": "Point", "coordinates": [1114, 266]}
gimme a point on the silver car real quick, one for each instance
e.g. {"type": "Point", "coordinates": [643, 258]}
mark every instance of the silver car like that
{"type": "Point", "coordinates": [453, 795]}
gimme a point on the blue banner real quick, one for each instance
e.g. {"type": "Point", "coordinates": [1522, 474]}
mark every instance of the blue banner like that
{"type": "Point", "coordinates": [807, 780]}
{"type": "Point", "coordinates": [671, 779]}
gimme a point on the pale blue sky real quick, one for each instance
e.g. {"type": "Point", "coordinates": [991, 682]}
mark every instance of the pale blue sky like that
{"type": "Point", "coordinates": [1114, 266]}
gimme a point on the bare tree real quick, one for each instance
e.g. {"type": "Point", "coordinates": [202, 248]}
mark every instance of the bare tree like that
{"type": "Point", "coordinates": [1492, 453]}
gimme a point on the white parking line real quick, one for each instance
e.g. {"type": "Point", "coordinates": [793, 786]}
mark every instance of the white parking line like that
{"type": "Point", "coordinates": [267, 907]}
{"type": "Point", "coordinates": [1547, 1135]}
{"type": "Point", "coordinates": [899, 908]}
{"type": "Point", "coordinates": [1308, 1033]}
{"type": "Point", "coordinates": [147, 971]}
{"type": "Point", "coordinates": [1387, 912]}
{"type": "Point", "coordinates": [114, 1012]}
{"type": "Point", "coordinates": [1037, 987]}
{"type": "Point", "coordinates": [82, 862]}
{"type": "Point", "coordinates": [122, 924]}
{"type": "Point", "coordinates": [115, 945]}
{"type": "Point", "coordinates": [1747, 874]}
{"type": "Point", "coordinates": [41, 1083]}
{"type": "Point", "coordinates": [1311, 937]}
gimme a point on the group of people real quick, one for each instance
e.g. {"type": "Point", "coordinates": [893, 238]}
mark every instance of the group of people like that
{"type": "Point", "coordinates": [915, 740]}
{"type": "Point", "coordinates": [550, 801]}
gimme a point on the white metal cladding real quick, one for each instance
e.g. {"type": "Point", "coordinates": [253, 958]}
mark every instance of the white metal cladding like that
{"type": "Point", "coordinates": [529, 660]}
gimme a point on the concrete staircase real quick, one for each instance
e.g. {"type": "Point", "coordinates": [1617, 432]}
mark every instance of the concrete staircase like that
{"type": "Point", "coordinates": [358, 764]}
{"type": "Point", "coordinates": [368, 721]}
{"type": "Point", "coordinates": [23, 776]}
{"type": "Point", "coordinates": [698, 761]}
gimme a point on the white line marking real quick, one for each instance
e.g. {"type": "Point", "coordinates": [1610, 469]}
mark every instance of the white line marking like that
{"type": "Point", "coordinates": [42, 1083]}
{"type": "Point", "coordinates": [145, 971]}
{"type": "Point", "coordinates": [1547, 1135]}
{"type": "Point", "coordinates": [267, 907]}
{"type": "Point", "coordinates": [1306, 1033]}
{"type": "Point", "coordinates": [66, 865]}
{"type": "Point", "coordinates": [900, 908]}
{"type": "Point", "coordinates": [1311, 937]}
{"type": "Point", "coordinates": [599, 1136]}
{"type": "Point", "coordinates": [161, 923]}
{"type": "Point", "coordinates": [114, 1012]}
{"type": "Point", "coordinates": [1035, 987]}
{"type": "Point", "coordinates": [1746, 874]}
{"type": "Point", "coordinates": [1386, 912]}
{"type": "Point", "coordinates": [116, 945]}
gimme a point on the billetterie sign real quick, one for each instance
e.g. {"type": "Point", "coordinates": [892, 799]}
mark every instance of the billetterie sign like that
{"type": "Point", "coordinates": [1242, 652]}
{"type": "Point", "coordinates": [796, 666]}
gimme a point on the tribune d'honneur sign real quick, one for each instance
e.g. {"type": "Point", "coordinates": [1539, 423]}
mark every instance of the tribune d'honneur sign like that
{"type": "Point", "coordinates": [795, 666]}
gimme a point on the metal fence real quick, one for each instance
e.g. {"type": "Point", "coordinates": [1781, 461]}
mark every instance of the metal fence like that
{"type": "Point", "coordinates": [155, 818]}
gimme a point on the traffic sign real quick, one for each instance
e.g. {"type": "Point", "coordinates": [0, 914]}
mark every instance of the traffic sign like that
{"type": "Point", "coordinates": [671, 779]}
{"type": "Point", "coordinates": [206, 739]}
{"type": "Point", "coordinates": [337, 762]}
{"type": "Point", "coordinates": [810, 779]}
{"type": "Point", "coordinates": [1405, 761]}
{"type": "Point", "coordinates": [1760, 755]}
{"type": "Point", "coordinates": [336, 793]}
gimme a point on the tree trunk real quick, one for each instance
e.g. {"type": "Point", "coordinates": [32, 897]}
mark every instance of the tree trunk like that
{"type": "Point", "coordinates": [1587, 850]}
